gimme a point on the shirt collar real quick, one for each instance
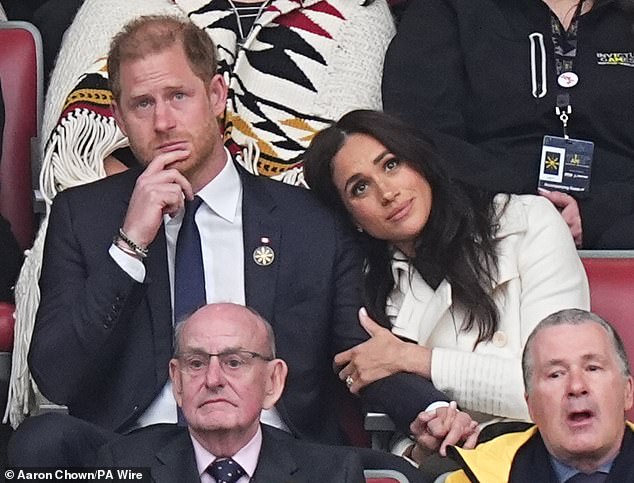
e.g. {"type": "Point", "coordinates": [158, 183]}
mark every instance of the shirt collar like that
{"type": "Point", "coordinates": [222, 194]}
{"type": "Point", "coordinates": [564, 472]}
{"type": "Point", "coordinates": [400, 264]}
{"type": "Point", "coordinates": [247, 456]}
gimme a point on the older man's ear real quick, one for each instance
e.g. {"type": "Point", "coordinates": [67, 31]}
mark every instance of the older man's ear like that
{"type": "Point", "coordinates": [177, 382]}
{"type": "Point", "coordinates": [275, 381]}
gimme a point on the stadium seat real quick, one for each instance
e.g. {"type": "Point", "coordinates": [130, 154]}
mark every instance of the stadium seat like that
{"type": "Point", "coordinates": [21, 74]}
{"type": "Point", "coordinates": [384, 476]}
{"type": "Point", "coordinates": [611, 277]}
{"type": "Point", "coordinates": [6, 339]}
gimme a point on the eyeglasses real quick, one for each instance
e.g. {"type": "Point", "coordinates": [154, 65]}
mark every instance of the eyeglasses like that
{"type": "Point", "coordinates": [231, 362]}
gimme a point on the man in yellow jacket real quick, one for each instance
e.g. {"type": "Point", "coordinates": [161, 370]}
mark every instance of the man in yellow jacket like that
{"type": "Point", "coordinates": [578, 386]}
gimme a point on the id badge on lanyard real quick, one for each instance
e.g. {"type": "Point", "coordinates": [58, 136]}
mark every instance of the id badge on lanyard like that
{"type": "Point", "coordinates": [565, 163]}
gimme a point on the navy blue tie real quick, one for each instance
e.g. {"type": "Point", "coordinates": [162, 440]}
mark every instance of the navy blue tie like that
{"type": "Point", "coordinates": [225, 471]}
{"type": "Point", "coordinates": [189, 275]}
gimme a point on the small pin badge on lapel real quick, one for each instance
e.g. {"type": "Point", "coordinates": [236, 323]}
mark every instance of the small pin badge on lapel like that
{"type": "Point", "coordinates": [264, 254]}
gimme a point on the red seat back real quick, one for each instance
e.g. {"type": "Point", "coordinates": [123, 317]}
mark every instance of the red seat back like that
{"type": "Point", "coordinates": [612, 294]}
{"type": "Point", "coordinates": [6, 327]}
{"type": "Point", "coordinates": [21, 76]}
{"type": "Point", "coordinates": [385, 476]}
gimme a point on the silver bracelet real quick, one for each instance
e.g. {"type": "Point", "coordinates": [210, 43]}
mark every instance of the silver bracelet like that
{"type": "Point", "coordinates": [136, 248]}
{"type": "Point", "coordinates": [121, 245]}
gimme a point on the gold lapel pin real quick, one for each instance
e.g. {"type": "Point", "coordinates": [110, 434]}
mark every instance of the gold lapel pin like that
{"type": "Point", "coordinates": [264, 254]}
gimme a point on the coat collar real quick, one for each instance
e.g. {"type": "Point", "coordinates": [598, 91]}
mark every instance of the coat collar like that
{"type": "Point", "coordinates": [512, 221]}
{"type": "Point", "coordinates": [419, 302]}
{"type": "Point", "coordinates": [261, 228]}
{"type": "Point", "coordinates": [275, 462]}
{"type": "Point", "coordinates": [491, 461]}
{"type": "Point", "coordinates": [176, 461]}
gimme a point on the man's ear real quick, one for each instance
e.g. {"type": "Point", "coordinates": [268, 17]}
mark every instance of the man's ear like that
{"type": "Point", "coordinates": [527, 399]}
{"type": "Point", "coordinates": [118, 117]}
{"type": "Point", "coordinates": [217, 93]}
{"type": "Point", "coordinates": [275, 380]}
{"type": "Point", "coordinates": [629, 393]}
{"type": "Point", "coordinates": [177, 382]}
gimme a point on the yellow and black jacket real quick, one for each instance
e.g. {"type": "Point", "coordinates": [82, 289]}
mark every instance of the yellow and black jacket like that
{"type": "Point", "coordinates": [522, 458]}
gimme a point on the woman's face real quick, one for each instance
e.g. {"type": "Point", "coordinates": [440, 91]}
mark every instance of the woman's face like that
{"type": "Point", "coordinates": [383, 194]}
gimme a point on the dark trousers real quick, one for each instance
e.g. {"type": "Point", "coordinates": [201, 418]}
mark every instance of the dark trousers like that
{"type": "Point", "coordinates": [57, 440]}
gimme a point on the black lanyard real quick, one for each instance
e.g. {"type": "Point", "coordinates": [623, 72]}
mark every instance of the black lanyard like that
{"type": "Point", "coordinates": [565, 41]}
{"type": "Point", "coordinates": [565, 48]}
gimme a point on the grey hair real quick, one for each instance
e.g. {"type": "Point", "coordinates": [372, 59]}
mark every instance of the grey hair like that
{"type": "Point", "coordinates": [180, 325]}
{"type": "Point", "coordinates": [573, 317]}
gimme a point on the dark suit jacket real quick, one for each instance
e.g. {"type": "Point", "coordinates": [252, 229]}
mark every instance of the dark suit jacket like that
{"type": "Point", "coordinates": [532, 462]}
{"type": "Point", "coordinates": [102, 341]}
{"type": "Point", "coordinates": [167, 450]}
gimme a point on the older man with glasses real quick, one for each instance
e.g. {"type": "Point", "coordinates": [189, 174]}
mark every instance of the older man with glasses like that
{"type": "Point", "coordinates": [224, 372]}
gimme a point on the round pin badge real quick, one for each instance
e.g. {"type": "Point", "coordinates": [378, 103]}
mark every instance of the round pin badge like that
{"type": "Point", "coordinates": [263, 255]}
{"type": "Point", "coordinates": [567, 79]}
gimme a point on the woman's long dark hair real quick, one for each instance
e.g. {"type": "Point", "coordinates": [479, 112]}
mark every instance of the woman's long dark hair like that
{"type": "Point", "coordinates": [456, 243]}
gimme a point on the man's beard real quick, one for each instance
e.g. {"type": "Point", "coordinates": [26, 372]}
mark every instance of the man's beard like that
{"type": "Point", "coordinates": [203, 144]}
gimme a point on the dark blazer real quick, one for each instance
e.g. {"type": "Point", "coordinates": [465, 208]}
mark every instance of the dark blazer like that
{"type": "Point", "coordinates": [532, 462]}
{"type": "Point", "coordinates": [167, 450]}
{"type": "Point", "coordinates": [102, 341]}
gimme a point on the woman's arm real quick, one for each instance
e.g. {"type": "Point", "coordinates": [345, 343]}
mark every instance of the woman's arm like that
{"type": "Point", "coordinates": [549, 277]}
{"type": "Point", "coordinates": [382, 355]}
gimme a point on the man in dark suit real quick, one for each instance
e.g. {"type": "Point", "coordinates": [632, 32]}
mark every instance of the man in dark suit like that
{"type": "Point", "coordinates": [224, 372]}
{"type": "Point", "coordinates": [103, 335]}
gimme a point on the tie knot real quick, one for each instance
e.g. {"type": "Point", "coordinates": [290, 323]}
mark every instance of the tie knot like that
{"type": "Point", "coordinates": [597, 477]}
{"type": "Point", "coordinates": [192, 206]}
{"type": "Point", "coordinates": [225, 470]}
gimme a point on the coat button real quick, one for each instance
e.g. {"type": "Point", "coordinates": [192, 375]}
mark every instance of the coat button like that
{"type": "Point", "coordinates": [499, 339]}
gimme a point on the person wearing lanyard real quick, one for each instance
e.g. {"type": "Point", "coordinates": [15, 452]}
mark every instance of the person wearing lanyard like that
{"type": "Point", "coordinates": [525, 95]}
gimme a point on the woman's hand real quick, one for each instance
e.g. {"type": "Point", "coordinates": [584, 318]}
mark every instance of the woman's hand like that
{"type": "Point", "coordinates": [382, 355]}
{"type": "Point", "coordinates": [435, 430]}
{"type": "Point", "coordinates": [569, 209]}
